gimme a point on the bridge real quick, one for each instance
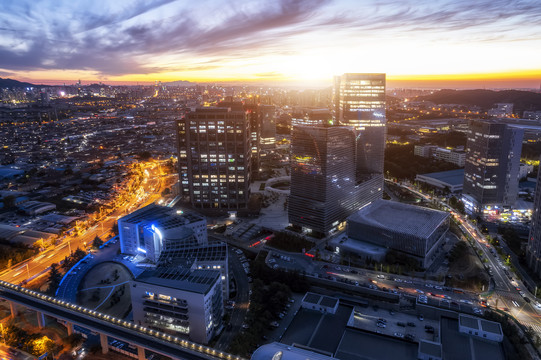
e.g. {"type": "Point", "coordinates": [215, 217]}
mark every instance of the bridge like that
{"type": "Point", "coordinates": [141, 337]}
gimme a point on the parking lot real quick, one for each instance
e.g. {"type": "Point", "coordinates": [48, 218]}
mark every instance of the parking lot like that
{"type": "Point", "coordinates": [397, 324]}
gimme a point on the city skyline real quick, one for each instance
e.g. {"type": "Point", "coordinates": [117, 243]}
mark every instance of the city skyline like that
{"type": "Point", "coordinates": [418, 44]}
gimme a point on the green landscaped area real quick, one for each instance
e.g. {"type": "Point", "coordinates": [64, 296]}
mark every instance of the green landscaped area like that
{"type": "Point", "coordinates": [105, 288]}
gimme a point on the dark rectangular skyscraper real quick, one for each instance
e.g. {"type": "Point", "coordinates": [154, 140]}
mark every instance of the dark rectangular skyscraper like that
{"type": "Point", "coordinates": [492, 165]}
{"type": "Point", "coordinates": [322, 175]}
{"type": "Point", "coordinates": [215, 157]}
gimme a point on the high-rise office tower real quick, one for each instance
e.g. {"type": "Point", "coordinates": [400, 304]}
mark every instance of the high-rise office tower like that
{"type": "Point", "coordinates": [215, 157]}
{"type": "Point", "coordinates": [267, 118]}
{"type": "Point", "coordinates": [533, 251]}
{"type": "Point", "coordinates": [492, 166]}
{"type": "Point", "coordinates": [360, 102]}
{"type": "Point", "coordinates": [324, 190]}
{"type": "Point", "coordinates": [254, 118]}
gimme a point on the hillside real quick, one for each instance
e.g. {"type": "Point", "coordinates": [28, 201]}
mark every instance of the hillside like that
{"type": "Point", "coordinates": [10, 83]}
{"type": "Point", "coordinates": [523, 100]}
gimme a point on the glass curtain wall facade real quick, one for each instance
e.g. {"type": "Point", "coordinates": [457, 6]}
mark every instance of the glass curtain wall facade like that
{"type": "Point", "coordinates": [323, 191]}
{"type": "Point", "coordinates": [360, 102]}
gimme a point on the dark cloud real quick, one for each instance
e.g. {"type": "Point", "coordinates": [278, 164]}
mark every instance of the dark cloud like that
{"type": "Point", "coordinates": [115, 42]}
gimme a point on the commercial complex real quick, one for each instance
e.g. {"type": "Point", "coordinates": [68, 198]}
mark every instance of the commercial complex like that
{"type": "Point", "coordinates": [414, 231]}
{"type": "Point", "coordinates": [337, 166]}
{"type": "Point", "coordinates": [179, 301]}
{"type": "Point", "coordinates": [492, 166]}
{"type": "Point", "coordinates": [324, 191]}
{"type": "Point", "coordinates": [149, 230]}
{"type": "Point", "coordinates": [215, 152]}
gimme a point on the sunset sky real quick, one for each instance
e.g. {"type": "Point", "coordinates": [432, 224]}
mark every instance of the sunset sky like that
{"type": "Point", "coordinates": [437, 43]}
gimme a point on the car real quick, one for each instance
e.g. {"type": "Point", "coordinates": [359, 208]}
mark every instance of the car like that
{"type": "Point", "coordinates": [430, 331]}
{"type": "Point", "coordinates": [537, 305]}
{"type": "Point", "coordinates": [412, 324]}
{"type": "Point", "coordinates": [274, 324]}
{"type": "Point", "coordinates": [527, 299]}
{"type": "Point", "coordinates": [399, 335]}
{"type": "Point", "coordinates": [380, 277]}
{"type": "Point", "coordinates": [428, 327]}
{"type": "Point", "coordinates": [401, 324]}
{"type": "Point", "coordinates": [245, 326]}
{"type": "Point", "coordinates": [421, 317]}
{"type": "Point", "coordinates": [410, 337]}
{"type": "Point", "coordinates": [419, 291]}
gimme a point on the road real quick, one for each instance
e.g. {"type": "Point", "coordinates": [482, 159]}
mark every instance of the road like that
{"type": "Point", "coordinates": [148, 192]}
{"type": "Point", "coordinates": [242, 302]}
{"type": "Point", "coordinates": [508, 293]}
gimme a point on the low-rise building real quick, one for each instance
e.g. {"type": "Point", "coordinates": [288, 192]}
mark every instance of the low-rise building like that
{"type": "Point", "coordinates": [453, 156]}
{"type": "Point", "coordinates": [424, 150]}
{"type": "Point", "coordinates": [413, 230]}
{"type": "Point", "coordinates": [179, 301]}
{"type": "Point", "coordinates": [452, 180]}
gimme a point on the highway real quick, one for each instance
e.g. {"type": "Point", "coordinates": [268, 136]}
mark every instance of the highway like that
{"type": "Point", "coordinates": [104, 324]}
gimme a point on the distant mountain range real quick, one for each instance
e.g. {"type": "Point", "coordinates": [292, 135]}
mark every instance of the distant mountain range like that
{"type": "Point", "coordinates": [179, 83]}
{"type": "Point", "coordinates": [10, 83]}
{"type": "Point", "coordinates": [523, 100]}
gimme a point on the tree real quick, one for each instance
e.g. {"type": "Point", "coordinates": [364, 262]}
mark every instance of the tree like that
{"type": "Point", "coordinates": [97, 242]}
{"type": "Point", "coordinates": [144, 155]}
{"type": "Point", "coordinates": [9, 201]}
{"type": "Point", "coordinates": [54, 279]}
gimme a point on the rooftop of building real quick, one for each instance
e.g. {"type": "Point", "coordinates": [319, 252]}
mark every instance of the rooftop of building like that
{"type": "Point", "coordinates": [453, 177]}
{"type": "Point", "coordinates": [164, 216]}
{"type": "Point", "coordinates": [408, 219]}
{"type": "Point", "coordinates": [458, 346]}
{"type": "Point", "coordinates": [322, 300]}
{"type": "Point", "coordinates": [196, 281]}
{"type": "Point", "coordinates": [491, 327]}
{"type": "Point", "coordinates": [468, 321]}
{"type": "Point", "coordinates": [430, 348]}
{"type": "Point", "coordinates": [280, 351]}
{"type": "Point", "coordinates": [215, 252]}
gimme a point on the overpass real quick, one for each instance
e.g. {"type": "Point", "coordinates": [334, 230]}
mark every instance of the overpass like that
{"type": "Point", "coordinates": [106, 325]}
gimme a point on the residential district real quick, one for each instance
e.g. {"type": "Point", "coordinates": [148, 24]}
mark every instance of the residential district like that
{"type": "Point", "coordinates": [187, 221]}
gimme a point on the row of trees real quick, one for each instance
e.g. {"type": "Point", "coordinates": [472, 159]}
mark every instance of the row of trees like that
{"type": "Point", "coordinates": [267, 301]}
{"type": "Point", "coordinates": [57, 271]}
{"type": "Point", "coordinates": [290, 242]}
